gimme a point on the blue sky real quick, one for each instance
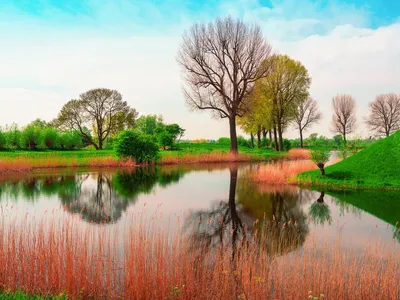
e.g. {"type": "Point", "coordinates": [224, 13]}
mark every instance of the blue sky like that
{"type": "Point", "coordinates": [54, 50]}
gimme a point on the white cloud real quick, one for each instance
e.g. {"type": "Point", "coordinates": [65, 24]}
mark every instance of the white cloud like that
{"type": "Point", "coordinates": [40, 71]}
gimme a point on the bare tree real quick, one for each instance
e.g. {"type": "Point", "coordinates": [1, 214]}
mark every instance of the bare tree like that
{"type": "Point", "coordinates": [100, 109]}
{"type": "Point", "coordinates": [344, 115]}
{"type": "Point", "coordinates": [384, 116]}
{"type": "Point", "coordinates": [220, 62]}
{"type": "Point", "coordinates": [307, 113]}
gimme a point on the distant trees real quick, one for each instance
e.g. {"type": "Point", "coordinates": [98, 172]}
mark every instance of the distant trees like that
{"type": "Point", "coordinates": [384, 117]}
{"type": "Point", "coordinates": [307, 114]}
{"type": "Point", "coordinates": [101, 109]}
{"type": "Point", "coordinates": [344, 115]}
{"type": "Point", "coordinates": [220, 63]}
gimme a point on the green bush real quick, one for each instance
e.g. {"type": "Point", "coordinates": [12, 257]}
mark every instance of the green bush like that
{"type": "Point", "coordinates": [165, 139]}
{"type": "Point", "coordinates": [3, 141]}
{"type": "Point", "coordinates": [138, 146]}
{"type": "Point", "coordinates": [31, 137]}
{"type": "Point", "coordinates": [287, 145]}
{"type": "Point", "coordinates": [70, 140]}
{"type": "Point", "coordinates": [320, 157]}
{"type": "Point", "coordinates": [243, 142]}
{"type": "Point", "coordinates": [49, 137]}
{"type": "Point", "coordinates": [224, 141]}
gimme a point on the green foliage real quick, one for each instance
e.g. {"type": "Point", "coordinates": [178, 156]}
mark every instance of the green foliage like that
{"type": "Point", "coordinates": [243, 142]}
{"type": "Point", "coordinates": [50, 137]}
{"type": "Point", "coordinates": [18, 295]}
{"type": "Point", "coordinates": [320, 156]}
{"type": "Point", "coordinates": [138, 146]}
{"type": "Point", "coordinates": [287, 145]}
{"type": "Point", "coordinates": [31, 137]}
{"type": "Point", "coordinates": [224, 141]}
{"type": "Point", "coordinates": [3, 141]}
{"type": "Point", "coordinates": [149, 124]}
{"type": "Point", "coordinates": [165, 139]}
{"type": "Point", "coordinates": [374, 167]}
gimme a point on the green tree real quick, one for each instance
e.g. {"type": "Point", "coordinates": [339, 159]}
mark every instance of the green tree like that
{"type": "Point", "coordinates": [320, 157]}
{"type": "Point", "coordinates": [149, 124]}
{"type": "Point", "coordinates": [100, 109]}
{"type": "Point", "coordinates": [31, 137]}
{"type": "Point", "coordinates": [175, 130]}
{"type": "Point", "coordinates": [3, 141]}
{"type": "Point", "coordinates": [286, 86]}
{"type": "Point", "coordinates": [165, 139]}
{"type": "Point", "coordinates": [13, 136]}
{"type": "Point", "coordinates": [136, 145]}
{"type": "Point", "coordinates": [49, 137]}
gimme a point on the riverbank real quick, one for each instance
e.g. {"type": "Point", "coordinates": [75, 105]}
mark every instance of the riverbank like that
{"type": "Point", "coordinates": [376, 167]}
{"type": "Point", "coordinates": [27, 161]}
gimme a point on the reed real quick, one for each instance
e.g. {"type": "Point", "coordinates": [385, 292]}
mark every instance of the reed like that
{"type": "Point", "coordinates": [281, 172]}
{"type": "Point", "coordinates": [299, 153]}
{"type": "Point", "coordinates": [50, 256]}
{"type": "Point", "coordinates": [216, 157]}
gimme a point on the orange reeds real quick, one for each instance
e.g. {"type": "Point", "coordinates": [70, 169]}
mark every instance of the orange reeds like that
{"type": "Point", "coordinates": [28, 164]}
{"type": "Point", "coordinates": [52, 256]}
{"type": "Point", "coordinates": [281, 172]}
{"type": "Point", "coordinates": [217, 157]}
{"type": "Point", "coordinates": [299, 153]}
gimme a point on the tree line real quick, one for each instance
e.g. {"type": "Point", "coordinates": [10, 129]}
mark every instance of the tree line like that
{"type": "Point", "coordinates": [229, 69]}
{"type": "Point", "coordinates": [95, 119]}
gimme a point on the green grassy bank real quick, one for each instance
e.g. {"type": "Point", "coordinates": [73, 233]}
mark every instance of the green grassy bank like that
{"type": "Point", "coordinates": [376, 167]}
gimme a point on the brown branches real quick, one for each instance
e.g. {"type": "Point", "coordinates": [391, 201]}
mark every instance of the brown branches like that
{"type": "Point", "coordinates": [307, 114]}
{"type": "Point", "coordinates": [344, 115]}
{"type": "Point", "coordinates": [220, 62]}
{"type": "Point", "coordinates": [384, 118]}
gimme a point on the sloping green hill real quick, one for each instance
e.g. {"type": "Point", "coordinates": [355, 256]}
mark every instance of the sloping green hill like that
{"type": "Point", "coordinates": [377, 166]}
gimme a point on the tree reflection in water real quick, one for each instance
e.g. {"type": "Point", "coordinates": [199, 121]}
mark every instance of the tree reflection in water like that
{"type": "Point", "coordinates": [320, 212]}
{"type": "Point", "coordinates": [274, 221]}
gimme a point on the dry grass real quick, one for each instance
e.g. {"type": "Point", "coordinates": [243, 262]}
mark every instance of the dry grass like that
{"type": "Point", "coordinates": [12, 165]}
{"type": "Point", "coordinates": [299, 153]}
{"type": "Point", "coordinates": [49, 257]}
{"type": "Point", "coordinates": [281, 172]}
{"type": "Point", "coordinates": [205, 158]}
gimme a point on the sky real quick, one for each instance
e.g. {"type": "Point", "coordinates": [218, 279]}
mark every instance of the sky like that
{"type": "Point", "coordinates": [53, 50]}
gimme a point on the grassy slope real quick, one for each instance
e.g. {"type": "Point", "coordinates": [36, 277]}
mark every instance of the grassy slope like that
{"type": "Point", "coordinates": [377, 166]}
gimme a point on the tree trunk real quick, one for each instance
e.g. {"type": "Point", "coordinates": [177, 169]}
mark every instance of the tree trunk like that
{"type": "Point", "coordinates": [280, 137]}
{"type": "Point", "coordinates": [264, 131]}
{"type": "Point", "coordinates": [100, 145]}
{"type": "Point", "coordinates": [276, 139]}
{"type": "Point", "coordinates": [321, 168]}
{"type": "Point", "coordinates": [232, 129]}
{"type": "Point", "coordinates": [321, 197]}
{"type": "Point", "coordinates": [252, 139]}
{"type": "Point", "coordinates": [344, 136]}
{"type": "Point", "coordinates": [301, 139]}
{"type": "Point", "coordinates": [259, 138]}
{"type": "Point", "coordinates": [270, 135]}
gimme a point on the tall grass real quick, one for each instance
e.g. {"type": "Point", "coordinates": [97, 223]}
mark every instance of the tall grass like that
{"type": "Point", "coordinates": [52, 256]}
{"type": "Point", "coordinates": [215, 157]}
{"type": "Point", "coordinates": [281, 172]}
{"type": "Point", "coordinates": [299, 153]}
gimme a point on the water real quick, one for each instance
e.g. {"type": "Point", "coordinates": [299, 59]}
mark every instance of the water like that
{"type": "Point", "coordinates": [207, 201]}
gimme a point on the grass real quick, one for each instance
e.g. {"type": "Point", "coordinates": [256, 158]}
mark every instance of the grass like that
{"type": "Point", "coordinates": [25, 161]}
{"type": "Point", "coordinates": [18, 295]}
{"type": "Point", "coordinates": [52, 256]}
{"type": "Point", "coordinates": [374, 167]}
{"type": "Point", "coordinates": [280, 173]}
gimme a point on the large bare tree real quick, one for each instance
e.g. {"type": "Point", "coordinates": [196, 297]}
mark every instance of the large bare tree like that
{"type": "Point", "coordinates": [307, 113]}
{"type": "Point", "coordinates": [220, 62]}
{"type": "Point", "coordinates": [103, 110]}
{"type": "Point", "coordinates": [384, 118]}
{"type": "Point", "coordinates": [344, 115]}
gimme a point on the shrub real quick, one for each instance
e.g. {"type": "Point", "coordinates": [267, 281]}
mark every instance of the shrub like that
{"type": "Point", "coordinates": [3, 141]}
{"type": "Point", "coordinates": [31, 137]}
{"type": "Point", "coordinates": [138, 146]}
{"type": "Point", "coordinates": [165, 139]}
{"type": "Point", "coordinates": [320, 157]}
{"type": "Point", "coordinates": [224, 141]}
{"type": "Point", "coordinates": [13, 136]}
{"type": "Point", "coordinates": [49, 137]}
{"type": "Point", "coordinates": [243, 142]}
{"type": "Point", "coordinates": [287, 145]}
{"type": "Point", "coordinates": [70, 140]}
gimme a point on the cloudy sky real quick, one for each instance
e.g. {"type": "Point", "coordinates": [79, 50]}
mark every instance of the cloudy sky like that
{"type": "Point", "coordinates": [53, 50]}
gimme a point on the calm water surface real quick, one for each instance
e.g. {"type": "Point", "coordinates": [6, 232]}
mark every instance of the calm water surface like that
{"type": "Point", "coordinates": [206, 201]}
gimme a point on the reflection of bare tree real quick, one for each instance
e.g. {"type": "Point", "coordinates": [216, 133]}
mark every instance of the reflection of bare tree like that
{"type": "Point", "coordinates": [233, 224]}
{"type": "Point", "coordinates": [95, 200]}
{"type": "Point", "coordinates": [319, 211]}
{"type": "Point", "coordinates": [220, 227]}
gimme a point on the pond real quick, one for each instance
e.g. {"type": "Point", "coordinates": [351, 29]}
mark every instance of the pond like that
{"type": "Point", "coordinates": [206, 202]}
